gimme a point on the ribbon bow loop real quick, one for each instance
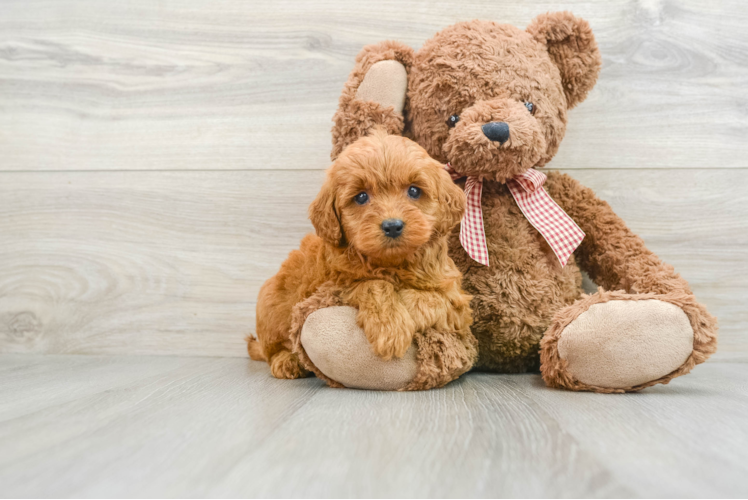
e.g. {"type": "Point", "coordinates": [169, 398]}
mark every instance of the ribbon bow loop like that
{"type": "Point", "coordinates": [530, 181]}
{"type": "Point", "coordinates": [559, 230]}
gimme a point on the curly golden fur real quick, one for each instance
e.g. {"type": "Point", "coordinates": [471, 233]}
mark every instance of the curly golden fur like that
{"type": "Point", "coordinates": [406, 288]}
{"type": "Point", "coordinates": [486, 72]}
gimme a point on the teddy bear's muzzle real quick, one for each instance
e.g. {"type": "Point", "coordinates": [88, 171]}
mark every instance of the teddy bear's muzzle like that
{"type": "Point", "coordinates": [496, 131]}
{"type": "Point", "coordinates": [496, 139]}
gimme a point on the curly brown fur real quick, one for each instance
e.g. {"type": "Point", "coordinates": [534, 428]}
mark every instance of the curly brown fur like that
{"type": "Point", "coordinates": [484, 71]}
{"type": "Point", "coordinates": [254, 349]}
{"type": "Point", "coordinates": [403, 287]}
{"type": "Point", "coordinates": [572, 46]}
{"type": "Point", "coordinates": [442, 357]}
{"type": "Point", "coordinates": [514, 299]}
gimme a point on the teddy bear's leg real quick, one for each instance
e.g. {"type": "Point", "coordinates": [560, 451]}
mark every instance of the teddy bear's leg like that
{"type": "Point", "coordinates": [619, 342]}
{"type": "Point", "coordinates": [339, 349]}
{"type": "Point", "coordinates": [328, 342]}
{"type": "Point", "coordinates": [647, 329]}
{"type": "Point", "coordinates": [442, 357]}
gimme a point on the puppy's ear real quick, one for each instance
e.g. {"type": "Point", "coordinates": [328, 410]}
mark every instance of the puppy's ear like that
{"type": "Point", "coordinates": [324, 215]}
{"type": "Point", "coordinates": [572, 48]}
{"type": "Point", "coordinates": [451, 200]}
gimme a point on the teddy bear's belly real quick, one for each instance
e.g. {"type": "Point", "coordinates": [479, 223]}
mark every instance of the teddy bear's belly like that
{"type": "Point", "coordinates": [518, 294]}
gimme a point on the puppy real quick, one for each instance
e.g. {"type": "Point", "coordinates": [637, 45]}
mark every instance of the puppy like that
{"type": "Point", "coordinates": [382, 219]}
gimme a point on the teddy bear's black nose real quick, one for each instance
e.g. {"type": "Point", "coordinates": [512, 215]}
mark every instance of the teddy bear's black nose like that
{"type": "Point", "coordinates": [393, 227]}
{"type": "Point", "coordinates": [497, 131]}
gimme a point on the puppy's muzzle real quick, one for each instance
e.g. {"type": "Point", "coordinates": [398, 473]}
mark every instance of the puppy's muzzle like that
{"type": "Point", "coordinates": [393, 228]}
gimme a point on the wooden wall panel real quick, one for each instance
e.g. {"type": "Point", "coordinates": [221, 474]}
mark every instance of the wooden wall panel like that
{"type": "Point", "coordinates": [171, 262]}
{"type": "Point", "coordinates": [231, 84]}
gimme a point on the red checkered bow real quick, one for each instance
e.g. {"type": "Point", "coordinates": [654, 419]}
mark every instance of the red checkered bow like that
{"type": "Point", "coordinates": [555, 225]}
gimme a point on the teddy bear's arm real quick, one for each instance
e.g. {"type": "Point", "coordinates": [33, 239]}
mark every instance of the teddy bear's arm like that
{"type": "Point", "coordinates": [613, 256]}
{"type": "Point", "coordinates": [374, 94]}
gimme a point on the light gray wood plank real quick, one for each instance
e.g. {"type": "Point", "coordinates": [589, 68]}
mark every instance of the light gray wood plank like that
{"type": "Point", "coordinates": [124, 261]}
{"type": "Point", "coordinates": [204, 84]}
{"type": "Point", "coordinates": [171, 262]}
{"type": "Point", "coordinates": [220, 406]}
{"type": "Point", "coordinates": [79, 377]}
{"type": "Point", "coordinates": [672, 441]}
{"type": "Point", "coordinates": [224, 427]}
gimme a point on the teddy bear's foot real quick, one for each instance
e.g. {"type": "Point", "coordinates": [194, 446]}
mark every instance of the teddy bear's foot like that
{"type": "Point", "coordinates": [606, 345]}
{"type": "Point", "coordinates": [338, 348]}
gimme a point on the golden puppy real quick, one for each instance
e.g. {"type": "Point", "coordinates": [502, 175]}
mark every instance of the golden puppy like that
{"type": "Point", "coordinates": [382, 219]}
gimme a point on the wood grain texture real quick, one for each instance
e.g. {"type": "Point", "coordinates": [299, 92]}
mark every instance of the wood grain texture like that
{"type": "Point", "coordinates": [196, 427]}
{"type": "Point", "coordinates": [171, 262]}
{"type": "Point", "coordinates": [230, 84]}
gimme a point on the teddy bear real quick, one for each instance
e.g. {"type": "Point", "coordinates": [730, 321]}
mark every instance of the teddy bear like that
{"type": "Point", "coordinates": [491, 102]}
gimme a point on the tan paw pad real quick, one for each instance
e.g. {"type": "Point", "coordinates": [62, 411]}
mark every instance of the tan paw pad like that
{"type": "Point", "coordinates": [386, 83]}
{"type": "Point", "coordinates": [625, 343]}
{"type": "Point", "coordinates": [338, 348]}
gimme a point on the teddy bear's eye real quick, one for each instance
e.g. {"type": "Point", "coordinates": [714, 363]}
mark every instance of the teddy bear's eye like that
{"type": "Point", "coordinates": [414, 192]}
{"type": "Point", "coordinates": [452, 121]}
{"type": "Point", "coordinates": [361, 198]}
{"type": "Point", "coordinates": [530, 107]}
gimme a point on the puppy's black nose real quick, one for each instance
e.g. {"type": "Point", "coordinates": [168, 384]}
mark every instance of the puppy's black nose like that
{"type": "Point", "coordinates": [393, 227]}
{"type": "Point", "coordinates": [497, 131]}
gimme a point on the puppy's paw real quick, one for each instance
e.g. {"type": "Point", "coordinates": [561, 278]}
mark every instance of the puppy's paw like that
{"type": "Point", "coordinates": [286, 364]}
{"type": "Point", "coordinates": [390, 334]}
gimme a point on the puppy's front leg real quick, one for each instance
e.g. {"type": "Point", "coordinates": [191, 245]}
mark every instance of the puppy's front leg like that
{"type": "Point", "coordinates": [384, 318]}
{"type": "Point", "coordinates": [445, 311]}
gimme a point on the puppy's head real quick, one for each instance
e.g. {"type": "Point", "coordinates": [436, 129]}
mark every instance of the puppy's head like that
{"type": "Point", "coordinates": [386, 197]}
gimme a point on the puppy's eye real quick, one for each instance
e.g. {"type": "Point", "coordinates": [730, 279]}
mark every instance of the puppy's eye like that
{"type": "Point", "coordinates": [414, 192]}
{"type": "Point", "coordinates": [361, 198]}
{"type": "Point", "coordinates": [452, 121]}
{"type": "Point", "coordinates": [530, 107]}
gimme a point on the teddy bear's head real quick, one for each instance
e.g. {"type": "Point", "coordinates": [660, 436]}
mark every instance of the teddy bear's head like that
{"type": "Point", "coordinates": [489, 98]}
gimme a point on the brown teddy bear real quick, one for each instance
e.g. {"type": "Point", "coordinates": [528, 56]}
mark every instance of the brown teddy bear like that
{"type": "Point", "coordinates": [491, 100]}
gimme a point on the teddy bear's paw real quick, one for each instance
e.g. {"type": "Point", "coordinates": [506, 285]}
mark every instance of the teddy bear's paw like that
{"type": "Point", "coordinates": [338, 347]}
{"type": "Point", "coordinates": [622, 344]}
{"type": "Point", "coordinates": [386, 83]}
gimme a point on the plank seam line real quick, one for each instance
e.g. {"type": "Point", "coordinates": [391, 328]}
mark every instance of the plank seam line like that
{"type": "Point", "coordinates": [323, 169]}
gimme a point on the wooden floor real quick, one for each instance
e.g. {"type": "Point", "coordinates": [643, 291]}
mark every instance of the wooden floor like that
{"type": "Point", "coordinates": [99, 426]}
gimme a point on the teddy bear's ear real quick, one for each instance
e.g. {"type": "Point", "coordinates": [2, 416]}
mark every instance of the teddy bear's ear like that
{"type": "Point", "coordinates": [374, 94]}
{"type": "Point", "coordinates": [572, 48]}
{"type": "Point", "coordinates": [324, 215]}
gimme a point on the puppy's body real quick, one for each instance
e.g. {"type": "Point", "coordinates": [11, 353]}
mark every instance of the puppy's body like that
{"type": "Point", "coordinates": [400, 284]}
